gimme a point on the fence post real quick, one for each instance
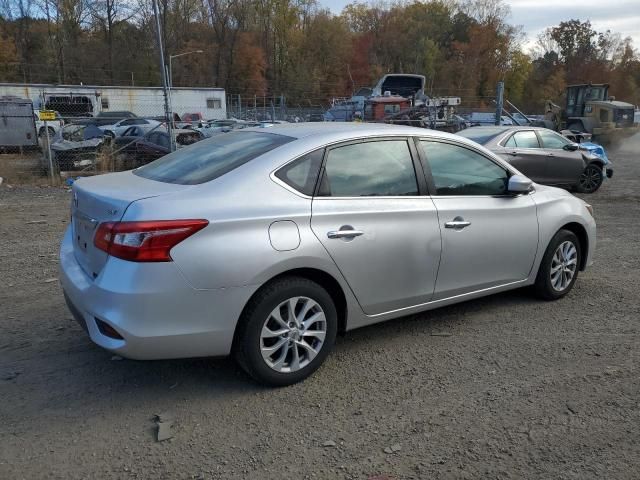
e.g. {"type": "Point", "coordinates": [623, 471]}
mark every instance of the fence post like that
{"type": "Point", "coordinates": [499, 102]}
{"type": "Point", "coordinates": [167, 112]}
{"type": "Point", "coordinates": [46, 129]}
{"type": "Point", "coordinates": [283, 110]}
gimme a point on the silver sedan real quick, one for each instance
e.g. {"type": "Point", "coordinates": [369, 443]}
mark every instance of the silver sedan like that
{"type": "Point", "coordinates": [265, 244]}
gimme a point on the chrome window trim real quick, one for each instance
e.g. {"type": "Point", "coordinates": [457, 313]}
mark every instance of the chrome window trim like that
{"type": "Point", "coordinates": [511, 134]}
{"type": "Point", "coordinates": [338, 143]}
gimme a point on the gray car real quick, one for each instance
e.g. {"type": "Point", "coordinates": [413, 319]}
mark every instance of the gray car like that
{"type": "Point", "coordinates": [266, 243]}
{"type": "Point", "coordinates": [544, 156]}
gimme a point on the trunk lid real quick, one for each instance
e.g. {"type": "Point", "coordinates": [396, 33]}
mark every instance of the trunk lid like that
{"type": "Point", "coordinates": [105, 198]}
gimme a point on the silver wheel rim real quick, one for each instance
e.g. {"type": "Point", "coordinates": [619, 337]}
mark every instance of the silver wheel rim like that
{"type": "Point", "coordinates": [590, 178]}
{"type": "Point", "coordinates": [293, 334]}
{"type": "Point", "coordinates": [563, 265]}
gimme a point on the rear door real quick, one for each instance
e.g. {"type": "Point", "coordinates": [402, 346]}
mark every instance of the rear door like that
{"type": "Point", "coordinates": [523, 151]}
{"type": "Point", "coordinates": [376, 221]}
{"type": "Point", "coordinates": [563, 166]}
{"type": "Point", "coordinates": [489, 238]}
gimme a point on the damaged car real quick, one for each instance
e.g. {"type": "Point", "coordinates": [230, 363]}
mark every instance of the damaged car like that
{"type": "Point", "coordinates": [76, 147]}
{"type": "Point", "coordinates": [546, 156]}
{"type": "Point", "coordinates": [137, 147]}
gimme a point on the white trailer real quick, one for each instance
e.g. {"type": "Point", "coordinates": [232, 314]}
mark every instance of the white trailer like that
{"type": "Point", "coordinates": [83, 100]}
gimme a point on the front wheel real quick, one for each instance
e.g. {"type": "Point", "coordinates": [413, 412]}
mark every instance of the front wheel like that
{"type": "Point", "coordinates": [286, 331]}
{"type": "Point", "coordinates": [590, 179]}
{"type": "Point", "coordinates": [559, 267]}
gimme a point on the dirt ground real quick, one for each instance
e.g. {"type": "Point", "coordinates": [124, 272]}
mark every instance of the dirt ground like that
{"type": "Point", "coordinates": [503, 387]}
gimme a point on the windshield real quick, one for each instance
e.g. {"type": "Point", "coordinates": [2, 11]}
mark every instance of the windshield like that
{"type": "Point", "coordinates": [212, 158]}
{"type": "Point", "coordinates": [594, 93]}
{"type": "Point", "coordinates": [481, 135]}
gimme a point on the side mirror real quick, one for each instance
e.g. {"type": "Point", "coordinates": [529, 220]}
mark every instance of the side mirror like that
{"type": "Point", "coordinates": [571, 147]}
{"type": "Point", "coordinates": [519, 184]}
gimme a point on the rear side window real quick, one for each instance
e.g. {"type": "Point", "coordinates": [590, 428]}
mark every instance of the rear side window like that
{"type": "Point", "coordinates": [301, 174]}
{"type": "Point", "coordinates": [481, 135]}
{"type": "Point", "coordinates": [526, 139]}
{"type": "Point", "coordinates": [378, 168]}
{"type": "Point", "coordinates": [511, 142]}
{"type": "Point", "coordinates": [212, 158]}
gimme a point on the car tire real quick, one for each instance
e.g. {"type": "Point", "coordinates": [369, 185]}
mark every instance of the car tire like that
{"type": "Point", "coordinates": [43, 132]}
{"type": "Point", "coordinates": [590, 179]}
{"type": "Point", "coordinates": [278, 349]}
{"type": "Point", "coordinates": [559, 267]}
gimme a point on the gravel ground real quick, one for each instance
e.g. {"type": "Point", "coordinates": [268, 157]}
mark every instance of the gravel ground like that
{"type": "Point", "coordinates": [502, 387]}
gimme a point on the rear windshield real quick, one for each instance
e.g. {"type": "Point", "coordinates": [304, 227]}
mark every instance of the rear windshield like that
{"type": "Point", "coordinates": [212, 158]}
{"type": "Point", "coordinates": [481, 135]}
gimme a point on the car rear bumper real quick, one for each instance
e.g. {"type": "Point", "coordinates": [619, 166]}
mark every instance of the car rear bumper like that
{"type": "Point", "coordinates": [152, 307]}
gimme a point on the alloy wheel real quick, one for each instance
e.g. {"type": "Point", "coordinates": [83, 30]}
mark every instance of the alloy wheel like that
{"type": "Point", "coordinates": [293, 334]}
{"type": "Point", "coordinates": [563, 265]}
{"type": "Point", "coordinates": [590, 178]}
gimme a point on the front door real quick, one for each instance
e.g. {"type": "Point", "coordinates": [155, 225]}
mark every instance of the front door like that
{"type": "Point", "coordinates": [523, 151]}
{"type": "Point", "coordinates": [378, 224]}
{"type": "Point", "coordinates": [563, 166]}
{"type": "Point", "coordinates": [489, 238]}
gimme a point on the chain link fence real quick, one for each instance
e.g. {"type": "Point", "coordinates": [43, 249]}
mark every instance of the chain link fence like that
{"type": "Point", "coordinates": [92, 134]}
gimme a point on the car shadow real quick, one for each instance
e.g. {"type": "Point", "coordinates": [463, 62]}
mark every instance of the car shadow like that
{"type": "Point", "coordinates": [439, 320]}
{"type": "Point", "coordinates": [102, 378]}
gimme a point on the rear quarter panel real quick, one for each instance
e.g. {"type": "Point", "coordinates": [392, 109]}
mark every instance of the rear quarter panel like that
{"type": "Point", "coordinates": [235, 249]}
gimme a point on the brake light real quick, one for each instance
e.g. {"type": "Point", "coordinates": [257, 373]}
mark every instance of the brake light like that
{"type": "Point", "coordinates": [149, 241]}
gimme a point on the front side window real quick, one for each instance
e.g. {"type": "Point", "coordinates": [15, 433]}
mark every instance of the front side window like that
{"type": "Point", "coordinates": [209, 159]}
{"type": "Point", "coordinates": [552, 140]}
{"type": "Point", "coordinates": [301, 174]}
{"type": "Point", "coordinates": [375, 168]}
{"type": "Point", "coordinates": [459, 171]}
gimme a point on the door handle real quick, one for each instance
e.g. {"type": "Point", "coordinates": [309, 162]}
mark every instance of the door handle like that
{"type": "Point", "coordinates": [344, 233]}
{"type": "Point", "coordinates": [550, 155]}
{"type": "Point", "coordinates": [514, 153]}
{"type": "Point", "coordinates": [457, 223]}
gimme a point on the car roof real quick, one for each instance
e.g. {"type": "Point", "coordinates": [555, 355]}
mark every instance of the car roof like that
{"type": "Point", "coordinates": [312, 135]}
{"type": "Point", "coordinates": [348, 130]}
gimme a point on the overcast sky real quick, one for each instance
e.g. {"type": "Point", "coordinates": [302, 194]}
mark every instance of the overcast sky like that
{"type": "Point", "coordinates": [619, 16]}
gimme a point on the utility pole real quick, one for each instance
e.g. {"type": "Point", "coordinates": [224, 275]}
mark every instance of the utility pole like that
{"type": "Point", "coordinates": [167, 109]}
{"type": "Point", "coordinates": [499, 102]}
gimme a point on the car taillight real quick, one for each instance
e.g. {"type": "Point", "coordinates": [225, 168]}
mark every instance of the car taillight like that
{"type": "Point", "coordinates": [149, 241]}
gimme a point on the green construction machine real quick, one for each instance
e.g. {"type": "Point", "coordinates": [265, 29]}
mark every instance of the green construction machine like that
{"type": "Point", "coordinates": [589, 108]}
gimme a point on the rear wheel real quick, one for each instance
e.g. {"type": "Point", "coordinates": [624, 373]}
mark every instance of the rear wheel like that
{"type": "Point", "coordinates": [590, 179]}
{"type": "Point", "coordinates": [43, 132]}
{"type": "Point", "coordinates": [559, 267]}
{"type": "Point", "coordinates": [286, 331]}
